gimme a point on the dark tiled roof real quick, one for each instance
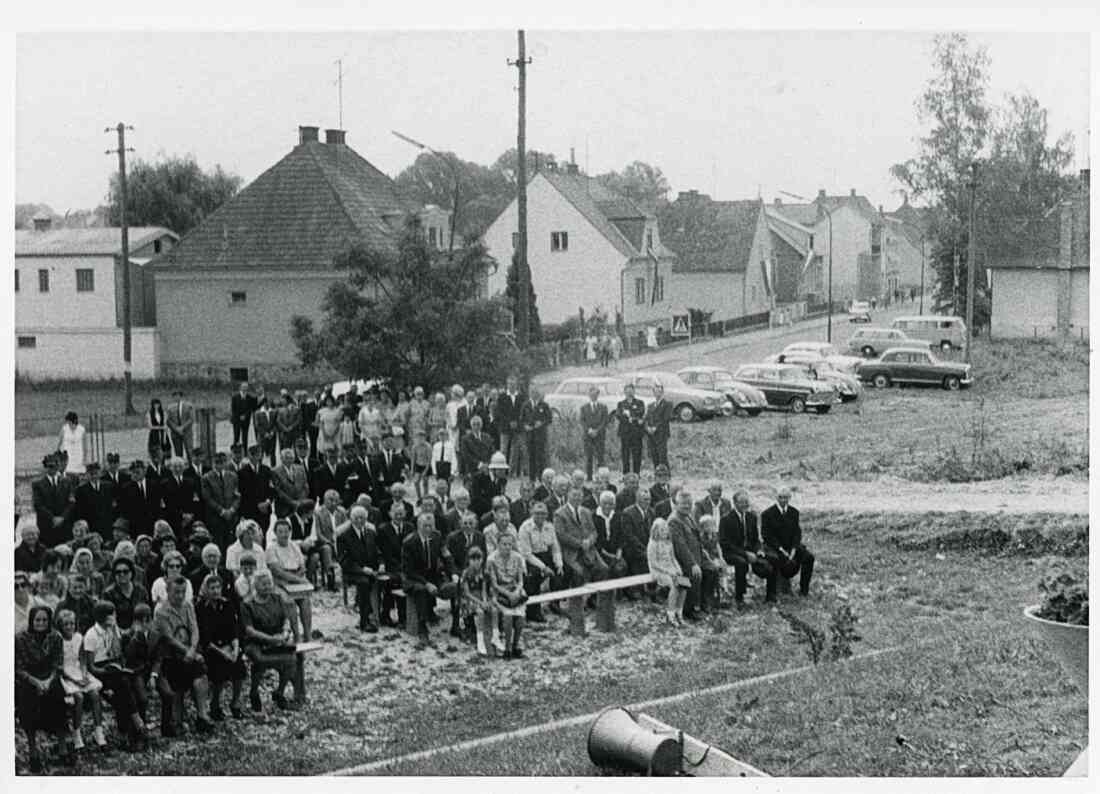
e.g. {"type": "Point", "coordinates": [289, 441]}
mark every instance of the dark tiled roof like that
{"type": "Point", "coordinates": [102, 241]}
{"type": "Point", "coordinates": [710, 236]}
{"type": "Point", "coordinates": [301, 213]}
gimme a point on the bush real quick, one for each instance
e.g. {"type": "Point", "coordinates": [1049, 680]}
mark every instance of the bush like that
{"type": "Point", "coordinates": [566, 445]}
{"type": "Point", "coordinates": [1065, 598]}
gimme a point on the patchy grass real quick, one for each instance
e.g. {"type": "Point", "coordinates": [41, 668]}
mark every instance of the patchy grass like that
{"type": "Point", "coordinates": [971, 677]}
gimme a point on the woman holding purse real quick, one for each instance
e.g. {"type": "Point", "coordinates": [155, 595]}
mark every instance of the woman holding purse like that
{"type": "Point", "coordinates": [506, 570]}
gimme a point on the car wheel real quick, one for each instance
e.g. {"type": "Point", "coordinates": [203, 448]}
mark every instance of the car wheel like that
{"type": "Point", "coordinates": [685, 412]}
{"type": "Point", "coordinates": [946, 346]}
{"type": "Point", "coordinates": [951, 383]}
{"type": "Point", "coordinates": [823, 409]}
{"type": "Point", "coordinates": [797, 405]}
{"type": "Point", "coordinates": [881, 381]}
{"type": "Point", "coordinates": [867, 351]}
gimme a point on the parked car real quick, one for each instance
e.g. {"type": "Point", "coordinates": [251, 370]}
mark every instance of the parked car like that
{"type": "Point", "coordinates": [859, 312]}
{"type": "Point", "coordinates": [688, 402]}
{"type": "Point", "coordinates": [816, 366]}
{"type": "Point", "coordinates": [946, 333]}
{"type": "Point", "coordinates": [903, 365]}
{"type": "Point", "coordinates": [829, 352]}
{"type": "Point", "coordinates": [743, 396]}
{"type": "Point", "coordinates": [787, 386]}
{"type": "Point", "coordinates": [873, 340]}
{"type": "Point", "coordinates": [569, 395]}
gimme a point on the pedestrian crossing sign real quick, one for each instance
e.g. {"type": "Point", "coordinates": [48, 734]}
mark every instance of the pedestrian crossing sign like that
{"type": "Point", "coordinates": [681, 325]}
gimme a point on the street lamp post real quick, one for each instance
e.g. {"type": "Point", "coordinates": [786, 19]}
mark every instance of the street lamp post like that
{"type": "Point", "coordinates": [921, 310]}
{"type": "Point", "coordinates": [454, 176]}
{"type": "Point", "coordinates": [829, 217]}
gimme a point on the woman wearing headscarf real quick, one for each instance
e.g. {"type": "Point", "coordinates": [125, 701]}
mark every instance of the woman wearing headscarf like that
{"type": "Point", "coordinates": [145, 559]}
{"type": "Point", "coordinates": [219, 630]}
{"type": "Point", "coordinates": [39, 698]}
{"type": "Point", "coordinates": [83, 565]}
{"type": "Point", "coordinates": [124, 592]}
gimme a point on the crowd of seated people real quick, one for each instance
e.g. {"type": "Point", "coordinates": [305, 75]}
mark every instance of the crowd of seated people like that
{"type": "Point", "coordinates": [189, 578]}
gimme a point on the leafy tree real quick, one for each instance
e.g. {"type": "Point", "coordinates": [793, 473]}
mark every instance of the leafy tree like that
{"type": "Point", "coordinates": [482, 192]}
{"type": "Point", "coordinates": [174, 193]}
{"type": "Point", "coordinates": [507, 165]}
{"type": "Point", "coordinates": [411, 317]}
{"type": "Point", "coordinates": [642, 183]}
{"type": "Point", "coordinates": [511, 292]}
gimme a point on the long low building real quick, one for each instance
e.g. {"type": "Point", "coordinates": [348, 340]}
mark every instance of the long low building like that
{"type": "Point", "coordinates": [68, 301]}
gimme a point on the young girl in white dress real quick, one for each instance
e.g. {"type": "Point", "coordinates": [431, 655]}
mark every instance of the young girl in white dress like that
{"type": "Point", "coordinates": [71, 442]}
{"type": "Point", "coordinates": [78, 683]}
{"type": "Point", "coordinates": [666, 570]}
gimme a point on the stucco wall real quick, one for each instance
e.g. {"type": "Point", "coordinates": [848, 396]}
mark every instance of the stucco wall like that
{"type": "Point", "coordinates": [851, 237]}
{"type": "Point", "coordinates": [199, 326]}
{"type": "Point", "coordinates": [1079, 303]}
{"type": "Point", "coordinates": [63, 306]}
{"type": "Point", "coordinates": [91, 353]}
{"type": "Point", "coordinates": [587, 275]}
{"type": "Point", "coordinates": [659, 313]}
{"type": "Point", "coordinates": [1025, 303]}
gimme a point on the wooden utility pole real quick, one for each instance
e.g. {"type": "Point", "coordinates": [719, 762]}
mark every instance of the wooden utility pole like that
{"type": "Point", "coordinates": [126, 335]}
{"type": "Point", "coordinates": [523, 276]}
{"type": "Point", "coordinates": [971, 266]}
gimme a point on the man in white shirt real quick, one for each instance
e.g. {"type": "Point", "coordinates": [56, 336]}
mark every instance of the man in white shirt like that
{"type": "Point", "coordinates": [444, 458]}
{"type": "Point", "coordinates": [538, 543]}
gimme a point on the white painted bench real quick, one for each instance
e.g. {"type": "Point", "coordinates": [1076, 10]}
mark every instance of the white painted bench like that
{"type": "Point", "coordinates": [605, 601]}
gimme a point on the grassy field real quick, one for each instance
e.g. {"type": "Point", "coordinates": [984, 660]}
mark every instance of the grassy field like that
{"type": "Point", "coordinates": [972, 690]}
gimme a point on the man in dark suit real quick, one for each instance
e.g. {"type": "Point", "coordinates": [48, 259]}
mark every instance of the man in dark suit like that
{"type": "Point", "coordinates": [520, 508]}
{"type": "Point", "coordinates": [688, 548]}
{"type": "Point", "coordinates": [180, 418]}
{"type": "Point", "coordinates": [307, 403]}
{"type": "Point", "coordinates": [140, 501]}
{"type": "Point", "coordinates": [634, 527]}
{"type": "Point", "coordinates": [290, 485]}
{"type": "Point", "coordinates": [714, 505]}
{"type": "Point", "coordinates": [455, 547]}
{"type": "Point", "coordinates": [223, 502]}
{"type": "Point", "coordinates": [241, 408]}
{"type": "Point", "coordinates": [658, 420]}
{"type": "Point", "coordinates": [660, 490]}
{"type": "Point", "coordinates": [508, 406]}
{"type": "Point", "coordinates": [609, 534]}
{"type": "Point", "coordinates": [424, 572]}
{"type": "Point", "coordinates": [54, 504]}
{"type": "Point", "coordinates": [391, 534]}
{"type": "Point", "coordinates": [331, 475]}
{"type": "Point", "coordinates": [301, 524]}
{"type": "Point", "coordinates": [781, 534]}
{"type": "Point", "coordinates": [155, 469]}
{"type": "Point", "coordinates": [195, 471]}
{"type": "Point", "coordinates": [254, 484]}
{"type": "Point", "coordinates": [594, 420]}
{"type": "Point", "coordinates": [365, 465]}
{"type": "Point", "coordinates": [630, 413]}
{"type": "Point", "coordinates": [739, 539]}
{"type": "Point", "coordinates": [95, 502]}
{"type": "Point", "coordinates": [113, 474]}
{"type": "Point", "coordinates": [180, 499]}
{"type": "Point", "coordinates": [359, 556]}
{"type": "Point", "coordinates": [263, 425]}
{"type": "Point", "coordinates": [628, 493]}
{"type": "Point", "coordinates": [393, 463]}
{"type": "Point", "coordinates": [475, 448]}
{"type": "Point", "coordinates": [452, 519]}
{"type": "Point", "coordinates": [577, 537]}
{"type": "Point", "coordinates": [535, 418]}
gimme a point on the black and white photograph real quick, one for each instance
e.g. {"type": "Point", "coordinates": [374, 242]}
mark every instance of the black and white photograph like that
{"type": "Point", "coordinates": [504, 399]}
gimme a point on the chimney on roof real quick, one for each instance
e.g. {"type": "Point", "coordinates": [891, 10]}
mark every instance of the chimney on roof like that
{"type": "Point", "coordinates": [853, 192]}
{"type": "Point", "coordinates": [307, 134]}
{"type": "Point", "coordinates": [42, 223]}
{"type": "Point", "coordinates": [335, 136]}
{"type": "Point", "coordinates": [551, 165]}
{"type": "Point", "coordinates": [571, 169]}
{"type": "Point", "coordinates": [572, 156]}
{"type": "Point", "coordinates": [821, 194]}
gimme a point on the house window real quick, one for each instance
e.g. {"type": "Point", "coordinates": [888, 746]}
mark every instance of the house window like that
{"type": "Point", "coordinates": [85, 279]}
{"type": "Point", "coordinates": [43, 280]}
{"type": "Point", "coordinates": [649, 239]}
{"type": "Point", "coordinates": [639, 291]}
{"type": "Point", "coordinates": [433, 237]}
{"type": "Point", "coordinates": [17, 281]}
{"type": "Point", "coordinates": [27, 342]}
{"type": "Point", "coordinates": [515, 240]}
{"type": "Point", "coordinates": [659, 289]}
{"type": "Point", "coordinates": [238, 374]}
{"type": "Point", "coordinates": [156, 246]}
{"type": "Point", "coordinates": [238, 298]}
{"type": "Point", "coordinates": [559, 241]}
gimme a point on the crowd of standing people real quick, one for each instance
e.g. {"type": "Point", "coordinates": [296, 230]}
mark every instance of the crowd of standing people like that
{"type": "Point", "coordinates": [178, 575]}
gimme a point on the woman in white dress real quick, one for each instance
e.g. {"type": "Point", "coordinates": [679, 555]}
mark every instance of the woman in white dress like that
{"type": "Point", "coordinates": [73, 444]}
{"type": "Point", "coordinates": [370, 422]}
{"type": "Point", "coordinates": [458, 400]}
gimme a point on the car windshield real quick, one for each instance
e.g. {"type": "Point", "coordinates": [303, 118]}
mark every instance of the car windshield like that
{"type": "Point", "coordinates": [723, 379]}
{"type": "Point", "coordinates": [669, 381]}
{"type": "Point", "coordinates": [792, 374]}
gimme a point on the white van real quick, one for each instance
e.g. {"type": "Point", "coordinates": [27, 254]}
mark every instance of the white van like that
{"type": "Point", "coordinates": [946, 333]}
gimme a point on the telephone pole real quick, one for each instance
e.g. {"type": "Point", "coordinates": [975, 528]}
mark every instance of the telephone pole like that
{"type": "Point", "coordinates": [126, 340]}
{"type": "Point", "coordinates": [971, 266]}
{"type": "Point", "coordinates": [523, 276]}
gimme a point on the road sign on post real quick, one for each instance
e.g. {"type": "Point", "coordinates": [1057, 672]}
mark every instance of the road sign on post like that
{"type": "Point", "coordinates": [681, 325]}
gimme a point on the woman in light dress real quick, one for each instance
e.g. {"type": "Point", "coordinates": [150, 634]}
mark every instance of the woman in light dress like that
{"type": "Point", "coordinates": [71, 442]}
{"type": "Point", "coordinates": [328, 422]}
{"type": "Point", "coordinates": [458, 400]}
{"type": "Point", "coordinates": [370, 422]}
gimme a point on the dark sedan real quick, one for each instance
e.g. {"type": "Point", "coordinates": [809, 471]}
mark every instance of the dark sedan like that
{"type": "Point", "coordinates": [915, 367]}
{"type": "Point", "coordinates": [787, 386]}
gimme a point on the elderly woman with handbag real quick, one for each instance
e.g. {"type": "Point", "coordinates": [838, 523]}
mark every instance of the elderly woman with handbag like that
{"type": "Point", "coordinates": [219, 632]}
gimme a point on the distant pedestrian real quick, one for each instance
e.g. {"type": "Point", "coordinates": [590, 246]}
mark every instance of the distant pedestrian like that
{"type": "Point", "coordinates": [72, 444]}
{"type": "Point", "coordinates": [241, 407]}
{"type": "Point", "coordinates": [156, 421]}
{"type": "Point", "coordinates": [181, 422]}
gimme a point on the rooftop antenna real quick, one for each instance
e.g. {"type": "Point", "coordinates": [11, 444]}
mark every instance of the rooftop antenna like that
{"type": "Point", "coordinates": [340, 91]}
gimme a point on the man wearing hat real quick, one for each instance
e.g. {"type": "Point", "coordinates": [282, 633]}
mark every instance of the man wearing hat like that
{"type": "Point", "coordinates": [181, 421]}
{"type": "Point", "coordinates": [140, 501]}
{"type": "Point", "coordinates": [222, 499]}
{"type": "Point", "coordinates": [95, 500]}
{"type": "Point", "coordinates": [114, 475]}
{"type": "Point", "coordinates": [120, 531]}
{"type": "Point", "coordinates": [54, 503]}
{"type": "Point", "coordinates": [490, 480]}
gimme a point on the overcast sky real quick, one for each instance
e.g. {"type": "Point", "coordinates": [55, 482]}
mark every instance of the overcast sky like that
{"type": "Point", "coordinates": [729, 113]}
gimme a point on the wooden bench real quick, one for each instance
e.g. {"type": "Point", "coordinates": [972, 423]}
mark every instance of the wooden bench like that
{"type": "Point", "coordinates": [605, 601]}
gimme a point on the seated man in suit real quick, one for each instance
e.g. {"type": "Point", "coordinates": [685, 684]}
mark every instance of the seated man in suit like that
{"type": "Point", "coordinates": [635, 523]}
{"type": "Point", "coordinates": [391, 534]}
{"type": "Point", "coordinates": [781, 534]}
{"type": "Point", "coordinates": [577, 537]}
{"type": "Point", "coordinates": [660, 490]}
{"type": "Point", "coordinates": [520, 508]}
{"type": "Point", "coordinates": [545, 486]}
{"type": "Point", "coordinates": [360, 560]}
{"type": "Point", "coordinates": [455, 548]}
{"type": "Point", "coordinates": [328, 521]}
{"type": "Point", "coordinates": [424, 573]}
{"type": "Point", "coordinates": [627, 495]}
{"type": "Point", "coordinates": [688, 548]}
{"type": "Point", "coordinates": [714, 504]}
{"type": "Point", "coordinates": [739, 539]}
